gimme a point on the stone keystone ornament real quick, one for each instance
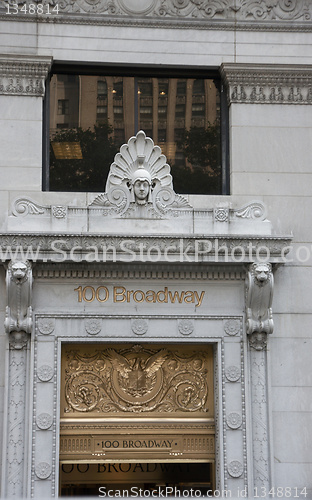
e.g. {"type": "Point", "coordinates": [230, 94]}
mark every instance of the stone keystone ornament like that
{"type": "Point", "coordinates": [139, 183]}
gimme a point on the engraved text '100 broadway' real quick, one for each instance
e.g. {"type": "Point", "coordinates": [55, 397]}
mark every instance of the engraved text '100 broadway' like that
{"type": "Point", "coordinates": [120, 294]}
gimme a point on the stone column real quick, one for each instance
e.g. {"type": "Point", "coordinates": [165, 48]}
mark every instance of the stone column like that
{"type": "Point", "coordinates": [259, 293]}
{"type": "Point", "coordinates": [18, 325]}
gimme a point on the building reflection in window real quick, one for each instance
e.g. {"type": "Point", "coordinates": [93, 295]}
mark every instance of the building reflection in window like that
{"type": "Point", "coordinates": [181, 115]}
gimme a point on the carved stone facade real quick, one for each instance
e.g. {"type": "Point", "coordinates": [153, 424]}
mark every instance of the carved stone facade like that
{"type": "Point", "coordinates": [23, 75]}
{"type": "Point", "coordinates": [18, 326]}
{"type": "Point", "coordinates": [139, 183]}
{"type": "Point", "coordinates": [139, 380]}
{"type": "Point", "coordinates": [193, 11]}
{"type": "Point", "coordinates": [135, 314]}
{"type": "Point", "coordinates": [18, 318]}
{"type": "Point", "coordinates": [263, 84]}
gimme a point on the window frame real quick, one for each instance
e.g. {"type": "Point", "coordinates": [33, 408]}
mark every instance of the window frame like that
{"type": "Point", "coordinates": [72, 68]}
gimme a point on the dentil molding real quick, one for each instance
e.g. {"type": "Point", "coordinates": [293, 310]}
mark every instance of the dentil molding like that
{"type": "Point", "coordinates": [267, 84]}
{"type": "Point", "coordinates": [25, 76]}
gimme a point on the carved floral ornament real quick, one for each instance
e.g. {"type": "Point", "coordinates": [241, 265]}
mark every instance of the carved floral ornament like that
{"type": "Point", "coordinates": [192, 10]}
{"type": "Point", "coordinates": [93, 326]}
{"type": "Point", "coordinates": [46, 326]}
{"type": "Point", "coordinates": [45, 373]}
{"type": "Point", "coordinates": [43, 470]}
{"type": "Point", "coordinates": [232, 373]}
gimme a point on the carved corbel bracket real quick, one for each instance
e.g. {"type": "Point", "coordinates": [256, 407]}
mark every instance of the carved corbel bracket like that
{"type": "Point", "coordinates": [18, 317]}
{"type": "Point", "coordinates": [259, 295]}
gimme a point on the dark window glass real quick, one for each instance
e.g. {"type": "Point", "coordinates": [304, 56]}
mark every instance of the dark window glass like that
{"type": "Point", "coordinates": [181, 87]}
{"type": "Point", "coordinates": [62, 107]}
{"type": "Point", "coordinates": [101, 90]}
{"type": "Point", "coordinates": [102, 112]}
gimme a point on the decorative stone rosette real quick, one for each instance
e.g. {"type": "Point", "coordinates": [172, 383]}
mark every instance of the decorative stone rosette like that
{"type": "Point", "coordinates": [232, 327]}
{"type": "Point", "coordinates": [221, 214]}
{"type": "Point", "coordinates": [234, 420]}
{"type": "Point", "coordinates": [46, 326]}
{"type": "Point", "coordinates": [59, 211]}
{"type": "Point", "coordinates": [139, 326]}
{"type": "Point", "coordinates": [45, 373]}
{"type": "Point", "coordinates": [44, 421]}
{"type": "Point", "coordinates": [43, 470]}
{"type": "Point", "coordinates": [235, 468]}
{"type": "Point", "coordinates": [93, 326]}
{"type": "Point", "coordinates": [186, 326]}
{"type": "Point", "coordinates": [232, 373]}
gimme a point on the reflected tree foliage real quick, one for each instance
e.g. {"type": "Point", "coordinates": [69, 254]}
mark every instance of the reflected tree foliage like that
{"type": "Point", "coordinates": [90, 172]}
{"type": "Point", "coordinates": [202, 172]}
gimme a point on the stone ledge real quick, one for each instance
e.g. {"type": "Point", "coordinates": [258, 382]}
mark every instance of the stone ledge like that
{"type": "Point", "coordinates": [149, 249]}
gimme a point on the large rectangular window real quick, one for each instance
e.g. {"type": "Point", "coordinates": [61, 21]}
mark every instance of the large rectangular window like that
{"type": "Point", "coordinates": [92, 115]}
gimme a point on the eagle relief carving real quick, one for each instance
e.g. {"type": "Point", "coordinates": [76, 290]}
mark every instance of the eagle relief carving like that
{"type": "Point", "coordinates": [135, 379]}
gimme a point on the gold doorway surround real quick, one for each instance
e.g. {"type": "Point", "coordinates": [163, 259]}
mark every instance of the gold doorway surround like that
{"type": "Point", "coordinates": [142, 403]}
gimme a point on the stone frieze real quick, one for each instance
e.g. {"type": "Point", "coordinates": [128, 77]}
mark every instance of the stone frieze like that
{"type": "Point", "coordinates": [259, 12]}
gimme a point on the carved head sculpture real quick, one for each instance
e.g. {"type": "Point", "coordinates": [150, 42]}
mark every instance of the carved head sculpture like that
{"type": "Point", "coordinates": [261, 272]}
{"type": "Point", "coordinates": [141, 183]}
{"type": "Point", "coordinates": [138, 168]}
{"type": "Point", "coordinates": [19, 270]}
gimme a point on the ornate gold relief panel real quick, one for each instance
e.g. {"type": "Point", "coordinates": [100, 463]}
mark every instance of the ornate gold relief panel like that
{"type": "Point", "coordinates": [136, 380]}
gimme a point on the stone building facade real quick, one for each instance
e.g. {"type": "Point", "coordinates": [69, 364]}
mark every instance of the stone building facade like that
{"type": "Point", "coordinates": [153, 339]}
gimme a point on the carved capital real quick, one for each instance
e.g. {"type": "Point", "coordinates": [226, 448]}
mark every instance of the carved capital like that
{"type": "Point", "coordinates": [18, 318]}
{"type": "Point", "coordinates": [267, 84]}
{"type": "Point", "coordinates": [259, 295]}
{"type": "Point", "coordinates": [21, 75]}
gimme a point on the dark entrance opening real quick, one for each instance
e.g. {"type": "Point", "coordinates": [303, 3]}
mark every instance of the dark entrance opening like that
{"type": "Point", "coordinates": [137, 479]}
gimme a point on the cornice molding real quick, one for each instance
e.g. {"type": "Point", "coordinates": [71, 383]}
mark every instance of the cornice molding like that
{"type": "Point", "coordinates": [149, 249]}
{"type": "Point", "coordinates": [267, 84]}
{"type": "Point", "coordinates": [24, 76]}
{"type": "Point", "coordinates": [286, 15]}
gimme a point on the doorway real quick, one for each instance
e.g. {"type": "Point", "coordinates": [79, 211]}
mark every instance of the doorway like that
{"type": "Point", "coordinates": [135, 419]}
{"type": "Point", "coordinates": [137, 479]}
